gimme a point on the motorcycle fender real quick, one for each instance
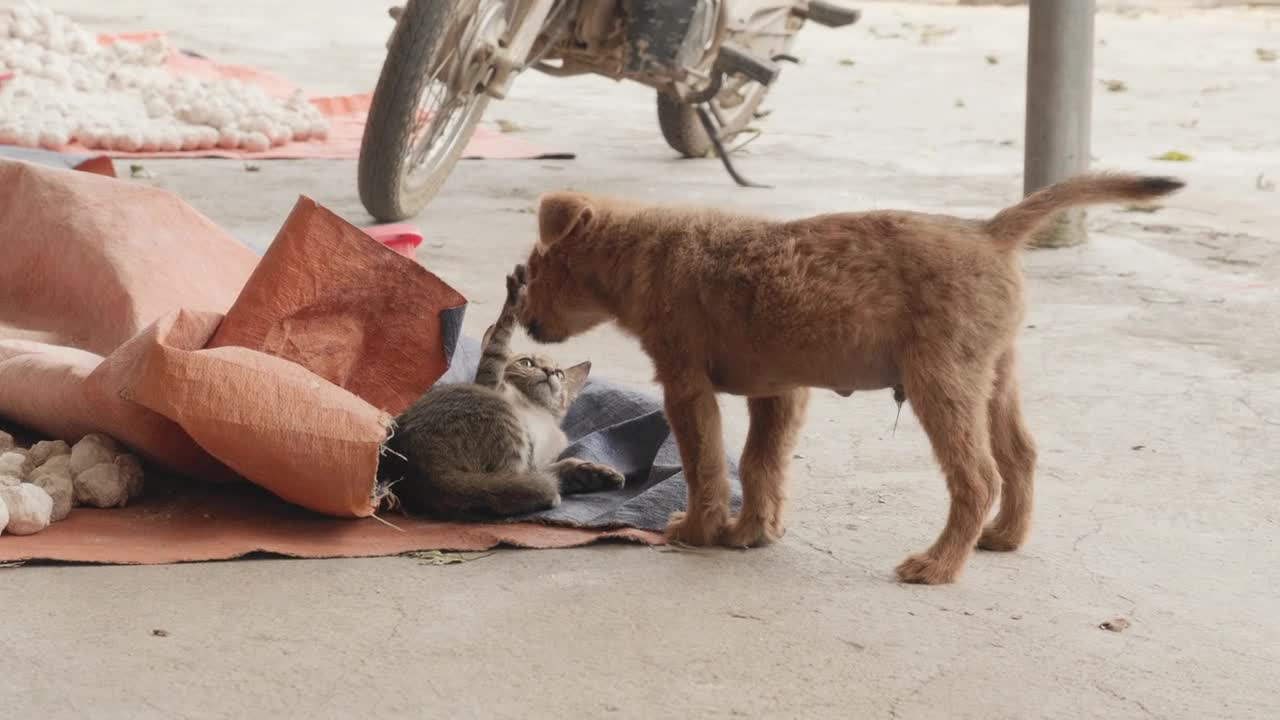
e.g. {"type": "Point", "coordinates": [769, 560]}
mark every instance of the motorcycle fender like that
{"type": "Point", "coordinates": [664, 37]}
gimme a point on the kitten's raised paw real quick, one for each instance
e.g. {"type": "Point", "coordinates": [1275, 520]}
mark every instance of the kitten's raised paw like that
{"type": "Point", "coordinates": [925, 569]}
{"type": "Point", "coordinates": [751, 531]}
{"type": "Point", "coordinates": [683, 528]}
{"type": "Point", "coordinates": [516, 283]}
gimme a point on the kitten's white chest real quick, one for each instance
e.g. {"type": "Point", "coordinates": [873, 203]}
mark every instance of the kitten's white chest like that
{"type": "Point", "coordinates": [546, 438]}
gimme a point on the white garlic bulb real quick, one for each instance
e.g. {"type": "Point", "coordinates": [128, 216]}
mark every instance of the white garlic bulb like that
{"type": "Point", "coordinates": [30, 508]}
{"type": "Point", "coordinates": [55, 138]}
{"type": "Point", "coordinates": [278, 134]}
{"type": "Point", "coordinates": [123, 97]}
{"type": "Point", "coordinates": [158, 108]}
{"type": "Point", "coordinates": [256, 142]}
{"type": "Point", "coordinates": [170, 141]}
{"type": "Point", "coordinates": [229, 139]}
{"type": "Point", "coordinates": [27, 137]}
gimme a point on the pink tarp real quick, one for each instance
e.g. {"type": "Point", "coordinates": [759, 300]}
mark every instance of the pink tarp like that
{"type": "Point", "coordinates": [346, 115]}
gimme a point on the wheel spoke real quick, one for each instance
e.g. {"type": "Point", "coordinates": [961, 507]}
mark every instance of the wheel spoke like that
{"type": "Point", "coordinates": [449, 101]}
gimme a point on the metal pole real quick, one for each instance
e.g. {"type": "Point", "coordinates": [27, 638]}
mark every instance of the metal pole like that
{"type": "Point", "coordinates": [1059, 104]}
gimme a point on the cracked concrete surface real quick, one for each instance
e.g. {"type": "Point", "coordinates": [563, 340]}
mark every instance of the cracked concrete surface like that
{"type": "Point", "coordinates": [1151, 379]}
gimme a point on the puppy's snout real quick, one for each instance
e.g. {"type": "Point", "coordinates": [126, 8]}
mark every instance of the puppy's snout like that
{"type": "Point", "coordinates": [534, 330]}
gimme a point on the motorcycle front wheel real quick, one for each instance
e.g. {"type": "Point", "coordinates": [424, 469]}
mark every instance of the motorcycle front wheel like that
{"type": "Point", "coordinates": [428, 100]}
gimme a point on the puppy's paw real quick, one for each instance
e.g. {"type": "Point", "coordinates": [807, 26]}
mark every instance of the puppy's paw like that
{"type": "Point", "coordinates": [688, 529]}
{"type": "Point", "coordinates": [997, 538]}
{"type": "Point", "coordinates": [924, 569]}
{"type": "Point", "coordinates": [752, 531]}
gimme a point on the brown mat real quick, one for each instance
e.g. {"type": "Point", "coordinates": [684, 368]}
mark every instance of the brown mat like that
{"type": "Point", "coordinates": [111, 320]}
{"type": "Point", "coordinates": [221, 522]}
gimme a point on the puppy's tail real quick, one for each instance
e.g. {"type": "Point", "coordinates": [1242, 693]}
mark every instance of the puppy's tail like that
{"type": "Point", "coordinates": [1012, 226]}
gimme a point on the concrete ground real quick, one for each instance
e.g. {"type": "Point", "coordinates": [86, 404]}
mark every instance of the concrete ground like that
{"type": "Point", "coordinates": [1152, 383]}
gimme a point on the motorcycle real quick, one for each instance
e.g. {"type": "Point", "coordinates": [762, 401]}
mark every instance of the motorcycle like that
{"type": "Point", "coordinates": [710, 61]}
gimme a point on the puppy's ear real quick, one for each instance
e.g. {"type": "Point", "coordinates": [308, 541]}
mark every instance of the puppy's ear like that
{"type": "Point", "coordinates": [559, 214]}
{"type": "Point", "coordinates": [575, 379]}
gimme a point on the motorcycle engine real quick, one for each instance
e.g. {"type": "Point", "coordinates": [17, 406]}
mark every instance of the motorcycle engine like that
{"type": "Point", "coordinates": [667, 38]}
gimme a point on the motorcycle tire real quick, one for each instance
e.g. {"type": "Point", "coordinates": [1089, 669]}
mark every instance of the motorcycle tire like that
{"type": "Point", "coordinates": [389, 132]}
{"type": "Point", "coordinates": [684, 132]}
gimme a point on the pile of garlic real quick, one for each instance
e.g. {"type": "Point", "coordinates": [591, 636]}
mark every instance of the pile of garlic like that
{"type": "Point", "coordinates": [39, 485]}
{"type": "Point", "coordinates": [66, 88]}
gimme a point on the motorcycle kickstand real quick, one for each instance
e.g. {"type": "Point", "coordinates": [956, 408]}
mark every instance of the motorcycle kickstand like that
{"type": "Point", "coordinates": [713, 133]}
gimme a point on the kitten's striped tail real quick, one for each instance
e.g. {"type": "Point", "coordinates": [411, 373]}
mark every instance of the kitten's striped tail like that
{"type": "Point", "coordinates": [502, 492]}
{"type": "Point", "coordinates": [1011, 227]}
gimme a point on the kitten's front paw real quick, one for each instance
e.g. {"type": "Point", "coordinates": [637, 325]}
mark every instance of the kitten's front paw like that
{"type": "Point", "coordinates": [516, 283]}
{"type": "Point", "coordinates": [688, 529]}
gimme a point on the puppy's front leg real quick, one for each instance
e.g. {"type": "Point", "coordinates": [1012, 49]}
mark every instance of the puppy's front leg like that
{"type": "Point", "coordinates": [694, 416]}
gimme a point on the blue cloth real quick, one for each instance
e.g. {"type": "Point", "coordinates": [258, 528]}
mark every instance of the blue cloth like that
{"type": "Point", "coordinates": [618, 426]}
{"type": "Point", "coordinates": [37, 156]}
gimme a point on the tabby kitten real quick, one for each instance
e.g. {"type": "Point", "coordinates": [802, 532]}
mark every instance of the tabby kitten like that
{"type": "Point", "coordinates": [489, 448]}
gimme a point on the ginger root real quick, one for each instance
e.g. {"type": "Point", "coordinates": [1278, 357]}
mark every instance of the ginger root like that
{"type": "Point", "coordinates": [130, 470]}
{"type": "Point", "coordinates": [42, 484]}
{"type": "Point", "coordinates": [57, 463]}
{"type": "Point", "coordinates": [102, 486]}
{"type": "Point", "coordinates": [60, 488]}
{"type": "Point", "coordinates": [40, 453]}
{"type": "Point", "coordinates": [13, 463]}
{"type": "Point", "coordinates": [90, 451]}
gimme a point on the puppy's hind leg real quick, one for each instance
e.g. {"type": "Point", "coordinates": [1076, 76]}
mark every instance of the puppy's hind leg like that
{"type": "Point", "coordinates": [775, 427]}
{"type": "Point", "coordinates": [951, 403]}
{"type": "Point", "coordinates": [1015, 453]}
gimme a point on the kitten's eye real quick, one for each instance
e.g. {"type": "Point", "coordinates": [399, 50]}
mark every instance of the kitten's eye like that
{"type": "Point", "coordinates": [559, 373]}
{"type": "Point", "coordinates": [526, 363]}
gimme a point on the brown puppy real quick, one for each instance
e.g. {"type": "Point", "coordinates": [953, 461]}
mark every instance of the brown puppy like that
{"type": "Point", "coordinates": [858, 301]}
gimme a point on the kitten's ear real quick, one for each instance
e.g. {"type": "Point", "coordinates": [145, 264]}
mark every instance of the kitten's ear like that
{"type": "Point", "coordinates": [488, 335]}
{"type": "Point", "coordinates": [559, 214]}
{"type": "Point", "coordinates": [575, 378]}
